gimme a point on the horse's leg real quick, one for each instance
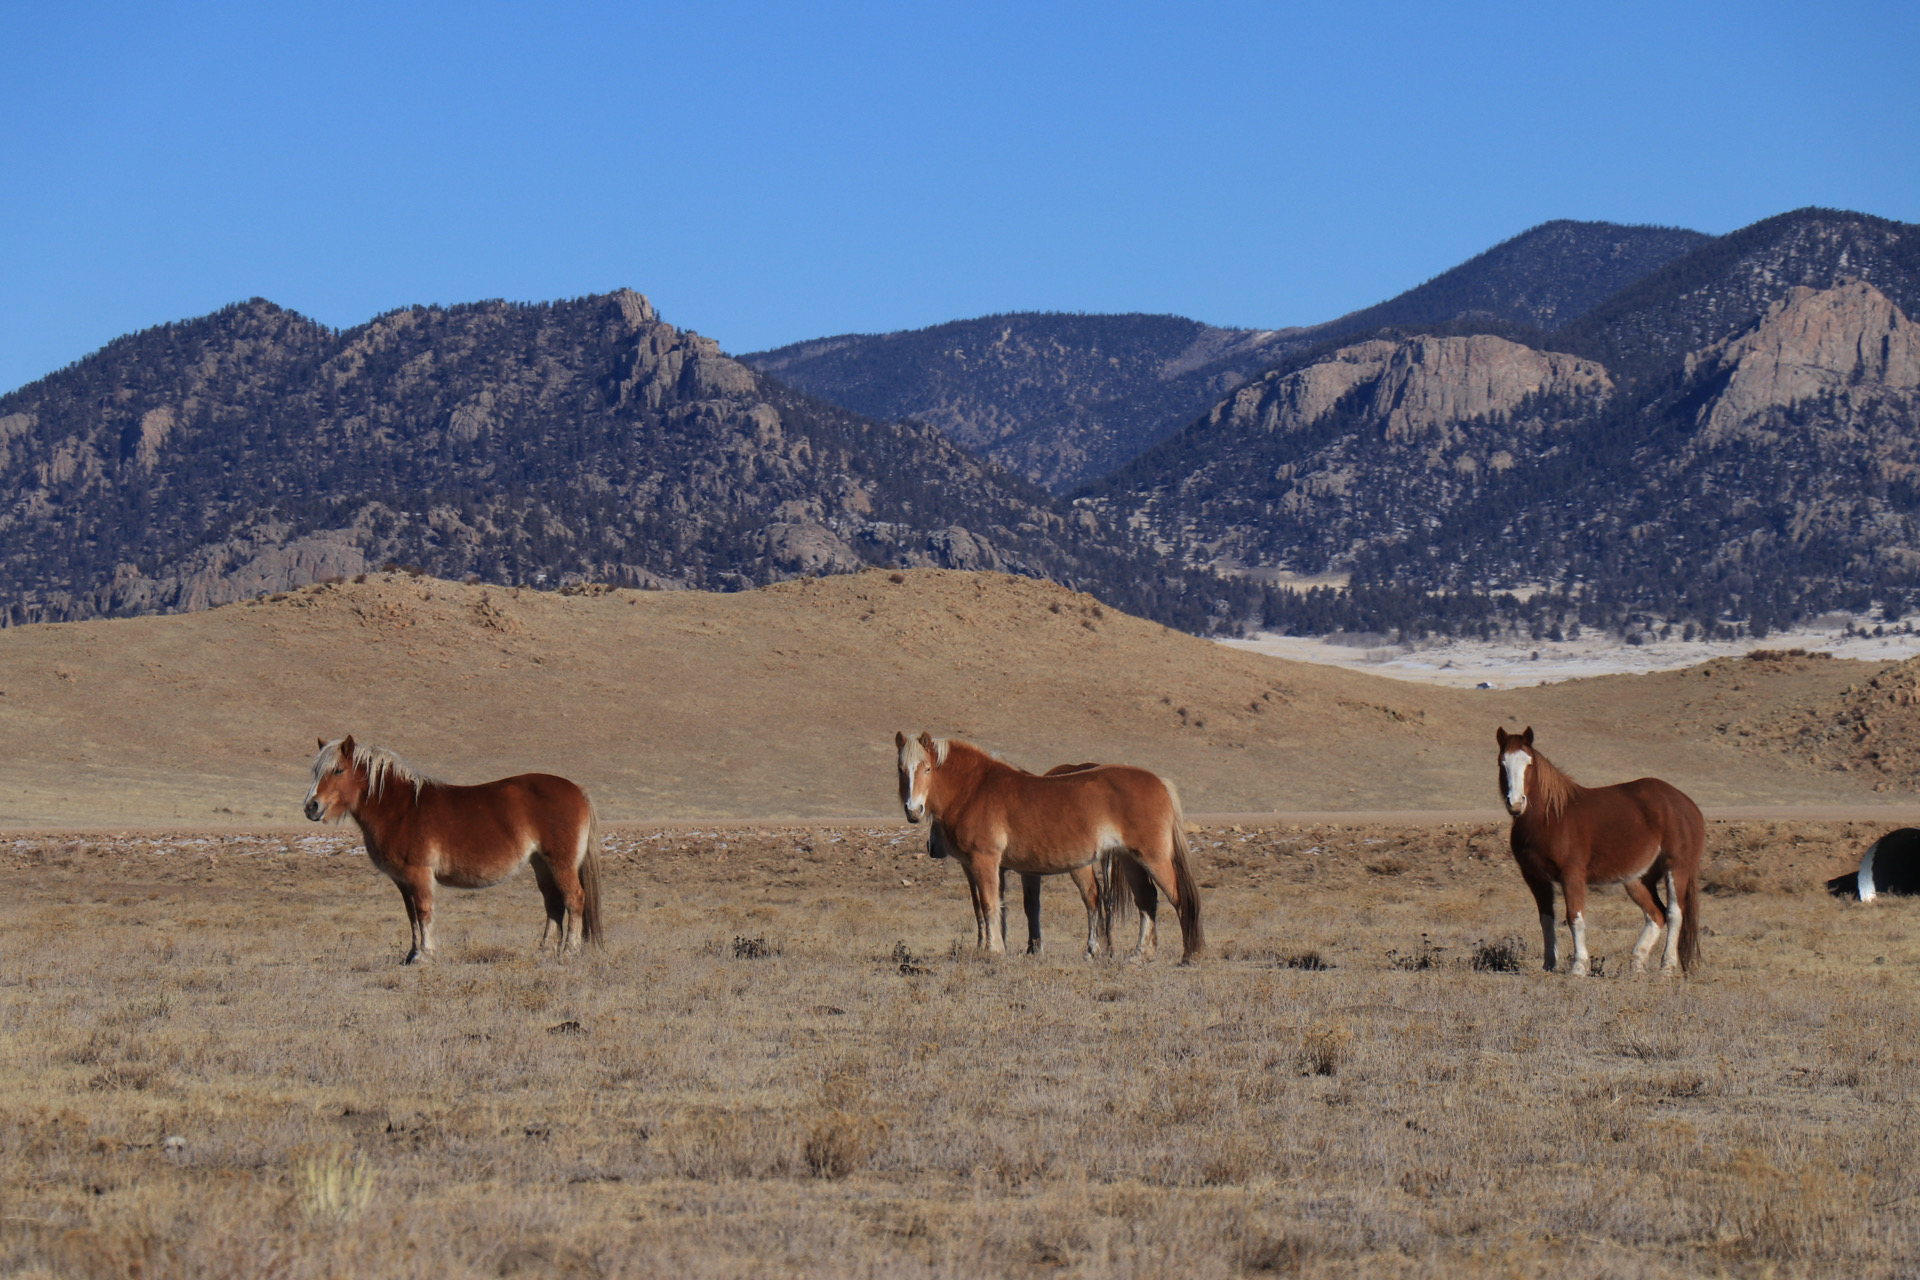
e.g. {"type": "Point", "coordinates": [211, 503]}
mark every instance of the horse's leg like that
{"type": "Point", "coordinates": [1030, 899]}
{"type": "Point", "coordinates": [556, 903]}
{"type": "Point", "coordinates": [1146, 897]}
{"type": "Point", "coordinates": [990, 880]}
{"type": "Point", "coordinates": [1088, 883]}
{"type": "Point", "coordinates": [573, 901]}
{"type": "Point", "coordinates": [1542, 890]}
{"type": "Point", "coordinates": [413, 921]}
{"type": "Point", "coordinates": [1575, 885]}
{"type": "Point", "coordinates": [1670, 959]}
{"type": "Point", "coordinates": [1641, 891]}
{"type": "Point", "coordinates": [979, 900]}
{"type": "Point", "coordinates": [1000, 887]}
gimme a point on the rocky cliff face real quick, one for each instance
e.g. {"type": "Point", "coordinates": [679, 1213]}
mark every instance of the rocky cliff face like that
{"type": "Point", "coordinates": [1849, 343]}
{"type": "Point", "coordinates": [1756, 460]}
{"type": "Point", "coordinates": [253, 451]}
{"type": "Point", "coordinates": [1294, 470]}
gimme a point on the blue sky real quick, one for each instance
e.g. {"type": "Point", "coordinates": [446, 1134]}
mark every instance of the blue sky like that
{"type": "Point", "coordinates": [768, 173]}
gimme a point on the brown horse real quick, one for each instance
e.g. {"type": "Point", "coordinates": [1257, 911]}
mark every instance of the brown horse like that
{"type": "Point", "coordinates": [1634, 834]}
{"type": "Point", "coordinates": [421, 831]}
{"type": "Point", "coordinates": [990, 816]}
{"type": "Point", "coordinates": [1085, 879]}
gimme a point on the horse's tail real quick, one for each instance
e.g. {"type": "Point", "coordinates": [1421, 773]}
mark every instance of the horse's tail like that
{"type": "Point", "coordinates": [1690, 923]}
{"type": "Point", "coordinates": [1192, 937]}
{"type": "Point", "coordinates": [590, 879]}
{"type": "Point", "coordinates": [1113, 896]}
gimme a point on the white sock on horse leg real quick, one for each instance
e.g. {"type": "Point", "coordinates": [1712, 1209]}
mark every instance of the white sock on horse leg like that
{"type": "Point", "coordinates": [1579, 944]}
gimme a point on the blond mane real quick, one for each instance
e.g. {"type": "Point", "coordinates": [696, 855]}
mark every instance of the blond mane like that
{"type": "Point", "coordinates": [379, 763]}
{"type": "Point", "coordinates": [1556, 786]}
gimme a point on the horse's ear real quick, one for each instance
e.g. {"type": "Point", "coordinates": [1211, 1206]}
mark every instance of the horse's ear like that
{"type": "Point", "coordinates": [1526, 735]}
{"type": "Point", "coordinates": [320, 742]}
{"type": "Point", "coordinates": [899, 740]}
{"type": "Point", "coordinates": [926, 744]}
{"type": "Point", "coordinates": [346, 747]}
{"type": "Point", "coordinates": [1500, 736]}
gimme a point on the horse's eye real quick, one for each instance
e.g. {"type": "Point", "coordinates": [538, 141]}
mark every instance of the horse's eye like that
{"type": "Point", "coordinates": [342, 769]}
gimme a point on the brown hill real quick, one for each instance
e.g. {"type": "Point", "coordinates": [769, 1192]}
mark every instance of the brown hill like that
{"type": "Point", "coordinates": [782, 702]}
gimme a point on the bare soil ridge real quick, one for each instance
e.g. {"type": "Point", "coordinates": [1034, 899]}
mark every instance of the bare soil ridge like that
{"type": "Point", "coordinates": [781, 703]}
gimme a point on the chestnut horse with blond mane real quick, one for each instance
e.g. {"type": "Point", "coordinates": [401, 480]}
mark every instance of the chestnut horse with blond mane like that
{"type": "Point", "coordinates": [991, 816]}
{"type": "Point", "coordinates": [1636, 834]}
{"type": "Point", "coordinates": [1085, 879]}
{"type": "Point", "coordinates": [420, 832]}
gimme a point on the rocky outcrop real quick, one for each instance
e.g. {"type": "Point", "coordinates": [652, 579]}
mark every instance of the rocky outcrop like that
{"type": "Point", "coordinates": [1421, 386]}
{"type": "Point", "coordinates": [1850, 342]}
{"type": "Point", "coordinates": [1295, 471]}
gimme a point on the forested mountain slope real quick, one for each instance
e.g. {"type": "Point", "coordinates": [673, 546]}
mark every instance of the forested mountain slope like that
{"type": "Point", "coordinates": [1732, 441]}
{"type": "Point", "coordinates": [252, 450]}
{"type": "Point", "coordinates": [1064, 399]}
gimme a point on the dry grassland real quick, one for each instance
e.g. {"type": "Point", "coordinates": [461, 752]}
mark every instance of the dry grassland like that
{"type": "Point", "coordinates": [211, 1064]}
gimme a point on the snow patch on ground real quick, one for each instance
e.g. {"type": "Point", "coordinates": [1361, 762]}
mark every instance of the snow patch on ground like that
{"type": "Point", "coordinates": [1502, 664]}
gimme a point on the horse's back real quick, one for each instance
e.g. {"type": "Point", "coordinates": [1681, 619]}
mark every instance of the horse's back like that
{"type": "Point", "coordinates": [543, 806]}
{"type": "Point", "coordinates": [1125, 798]}
{"type": "Point", "coordinates": [1674, 807]}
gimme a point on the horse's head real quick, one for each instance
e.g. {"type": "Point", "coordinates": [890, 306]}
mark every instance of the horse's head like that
{"type": "Point", "coordinates": [1516, 763]}
{"type": "Point", "coordinates": [339, 782]}
{"type": "Point", "coordinates": [919, 757]}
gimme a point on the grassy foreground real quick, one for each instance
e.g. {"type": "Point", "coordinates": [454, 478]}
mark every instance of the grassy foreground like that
{"type": "Point", "coordinates": [212, 1064]}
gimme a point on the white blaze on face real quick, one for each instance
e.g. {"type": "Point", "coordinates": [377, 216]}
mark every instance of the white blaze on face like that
{"type": "Point", "coordinates": [1515, 763]}
{"type": "Point", "coordinates": [914, 763]}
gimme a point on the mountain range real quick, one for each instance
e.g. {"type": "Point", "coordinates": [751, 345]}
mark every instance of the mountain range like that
{"type": "Point", "coordinates": [1589, 424]}
{"type": "Point", "coordinates": [253, 450]}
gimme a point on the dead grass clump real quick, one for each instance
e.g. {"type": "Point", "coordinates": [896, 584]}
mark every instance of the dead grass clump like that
{"type": "Point", "coordinates": [908, 963]}
{"type": "Point", "coordinates": [1809, 1209]}
{"type": "Point", "coordinates": [1325, 1048]}
{"type": "Point", "coordinates": [334, 1185]}
{"type": "Point", "coordinates": [753, 949]}
{"type": "Point", "coordinates": [713, 1146]}
{"type": "Point", "coordinates": [842, 1142]}
{"type": "Point", "coordinates": [1508, 955]}
{"type": "Point", "coordinates": [472, 952]}
{"type": "Point", "coordinates": [1389, 867]}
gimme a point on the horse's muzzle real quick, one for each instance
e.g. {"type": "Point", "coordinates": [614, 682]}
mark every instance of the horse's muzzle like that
{"type": "Point", "coordinates": [1517, 807]}
{"type": "Point", "coordinates": [914, 815]}
{"type": "Point", "coordinates": [315, 811]}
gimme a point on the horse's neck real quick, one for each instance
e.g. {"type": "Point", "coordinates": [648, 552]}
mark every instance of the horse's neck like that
{"type": "Point", "coordinates": [378, 817]}
{"type": "Point", "coordinates": [1557, 791]}
{"type": "Point", "coordinates": [957, 780]}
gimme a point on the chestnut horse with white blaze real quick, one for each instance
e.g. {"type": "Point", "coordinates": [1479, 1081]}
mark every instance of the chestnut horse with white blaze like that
{"type": "Point", "coordinates": [1637, 834]}
{"type": "Point", "coordinates": [420, 832]}
{"type": "Point", "coordinates": [991, 816]}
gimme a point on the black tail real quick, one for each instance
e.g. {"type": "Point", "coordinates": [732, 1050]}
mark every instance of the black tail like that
{"type": "Point", "coordinates": [590, 880]}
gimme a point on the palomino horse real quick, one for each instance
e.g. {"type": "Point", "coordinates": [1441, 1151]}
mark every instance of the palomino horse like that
{"type": "Point", "coordinates": [1085, 879]}
{"type": "Point", "coordinates": [421, 831]}
{"type": "Point", "coordinates": [992, 815]}
{"type": "Point", "coordinates": [1634, 834]}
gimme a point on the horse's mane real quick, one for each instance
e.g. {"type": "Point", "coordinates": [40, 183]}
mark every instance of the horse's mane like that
{"type": "Point", "coordinates": [380, 765]}
{"type": "Point", "coordinates": [1556, 786]}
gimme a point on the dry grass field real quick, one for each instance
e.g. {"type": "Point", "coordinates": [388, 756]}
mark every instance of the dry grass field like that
{"type": "Point", "coordinates": [786, 1062]}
